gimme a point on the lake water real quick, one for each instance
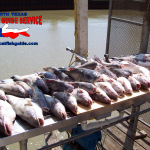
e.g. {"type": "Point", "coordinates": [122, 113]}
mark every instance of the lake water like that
{"type": "Point", "coordinates": [53, 36]}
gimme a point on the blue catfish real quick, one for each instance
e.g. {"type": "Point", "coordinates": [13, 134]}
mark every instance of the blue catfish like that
{"type": "Point", "coordinates": [101, 96]}
{"type": "Point", "coordinates": [62, 76]}
{"type": "Point", "coordinates": [126, 84]}
{"type": "Point", "coordinates": [82, 74]}
{"type": "Point", "coordinates": [27, 110]}
{"type": "Point", "coordinates": [38, 96]}
{"type": "Point", "coordinates": [13, 89]}
{"type": "Point", "coordinates": [67, 99]}
{"type": "Point", "coordinates": [28, 90]}
{"type": "Point", "coordinates": [33, 78]}
{"type": "Point", "coordinates": [107, 88]}
{"type": "Point", "coordinates": [56, 85]}
{"type": "Point", "coordinates": [89, 87]}
{"type": "Point", "coordinates": [56, 107]}
{"type": "Point", "coordinates": [82, 97]}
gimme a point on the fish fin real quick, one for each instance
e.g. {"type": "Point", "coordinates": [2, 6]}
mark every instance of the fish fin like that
{"type": "Point", "coordinates": [55, 100]}
{"type": "Point", "coordinates": [70, 69]}
{"type": "Point", "coordinates": [80, 90]}
{"type": "Point", "coordinates": [36, 72]}
{"type": "Point", "coordinates": [67, 93]}
{"type": "Point", "coordinates": [29, 102]}
{"type": "Point", "coordinates": [70, 83]}
{"type": "Point", "coordinates": [26, 80]}
{"type": "Point", "coordinates": [97, 91]}
{"type": "Point", "coordinates": [15, 83]}
{"type": "Point", "coordinates": [32, 100]}
{"type": "Point", "coordinates": [49, 80]}
{"type": "Point", "coordinates": [2, 82]}
{"type": "Point", "coordinates": [111, 80]}
{"type": "Point", "coordinates": [41, 76]}
{"type": "Point", "coordinates": [97, 80]}
{"type": "Point", "coordinates": [45, 69]}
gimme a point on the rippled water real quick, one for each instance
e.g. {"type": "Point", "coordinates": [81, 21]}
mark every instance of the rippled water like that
{"type": "Point", "coordinates": [53, 36]}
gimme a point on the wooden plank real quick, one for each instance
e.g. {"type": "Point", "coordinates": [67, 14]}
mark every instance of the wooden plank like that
{"type": "Point", "coordinates": [122, 139]}
{"type": "Point", "coordinates": [141, 126]}
{"type": "Point", "coordinates": [124, 127]}
{"type": "Point", "coordinates": [110, 143]}
{"type": "Point", "coordinates": [126, 99]}
{"type": "Point", "coordinates": [140, 134]}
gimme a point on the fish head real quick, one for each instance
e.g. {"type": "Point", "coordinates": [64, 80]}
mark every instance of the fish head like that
{"type": "Point", "coordinates": [63, 115]}
{"type": "Point", "coordinates": [85, 96]}
{"type": "Point", "coordinates": [6, 126]}
{"type": "Point", "coordinates": [35, 115]}
{"type": "Point", "coordinates": [94, 90]}
{"type": "Point", "coordinates": [107, 100]}
{"type": "Point", "coordinates": [69, 88]}
{"type": "Point", "coordinates": [61, 112]}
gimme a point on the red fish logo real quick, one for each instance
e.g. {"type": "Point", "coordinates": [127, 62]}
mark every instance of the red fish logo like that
{"type": "Point", "coordinates": [13, 33]}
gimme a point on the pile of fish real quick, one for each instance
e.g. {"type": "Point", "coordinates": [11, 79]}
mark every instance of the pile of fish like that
{"type": "Point", "coordinates": [55, 89]}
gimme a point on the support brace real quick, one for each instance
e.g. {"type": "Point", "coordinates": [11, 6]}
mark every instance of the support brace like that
{"type": "Point", "coordinates": [97, 124]}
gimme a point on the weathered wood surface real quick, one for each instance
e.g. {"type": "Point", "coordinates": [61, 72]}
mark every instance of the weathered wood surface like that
{"type": "Point", "coordinates": [121, 102]}
{"type": "Point", "coordinates": [110, 143]}
{"type": "Point", "coordinates": [119, 135]}
{"type": "Point", "coordinates": [126, 128]}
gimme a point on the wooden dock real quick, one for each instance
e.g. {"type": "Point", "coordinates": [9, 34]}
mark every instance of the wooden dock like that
{"type": "Point", "coordinates": [117, 137]}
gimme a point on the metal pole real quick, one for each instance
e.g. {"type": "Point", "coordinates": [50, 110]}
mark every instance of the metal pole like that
{"type": "Point", "coordinates": [145, 29]}
{"type": "Point", "coordinates": [93, 130]}
{"type": "Point", "coordinates": [109, 26]}
{"type": "Point", "coordinates": [126, 21]}
{"type": "Point", "coordinates": [23, 144]}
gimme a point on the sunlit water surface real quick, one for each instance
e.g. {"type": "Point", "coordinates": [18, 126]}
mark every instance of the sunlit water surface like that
{"type": "Point", "coordinates": [53, 36]}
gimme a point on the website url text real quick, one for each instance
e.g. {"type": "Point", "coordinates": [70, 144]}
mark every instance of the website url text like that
{"type": "Point", "coordinates": [18, 43]}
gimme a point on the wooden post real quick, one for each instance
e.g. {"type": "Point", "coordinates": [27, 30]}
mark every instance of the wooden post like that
{"type": "Point", "coordinates": [81, 27]}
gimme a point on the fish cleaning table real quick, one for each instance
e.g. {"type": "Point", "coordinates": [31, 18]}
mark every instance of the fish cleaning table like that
{"type": "Point", "coordinates": [23, 130]}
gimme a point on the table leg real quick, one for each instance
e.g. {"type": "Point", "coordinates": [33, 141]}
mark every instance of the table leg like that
{"type": "Point", "coordinates": [23, 144]}
{"type": "Point", "coordinates": [3, 148]}
{"type": "Point", "coordinates": [134, 121]}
